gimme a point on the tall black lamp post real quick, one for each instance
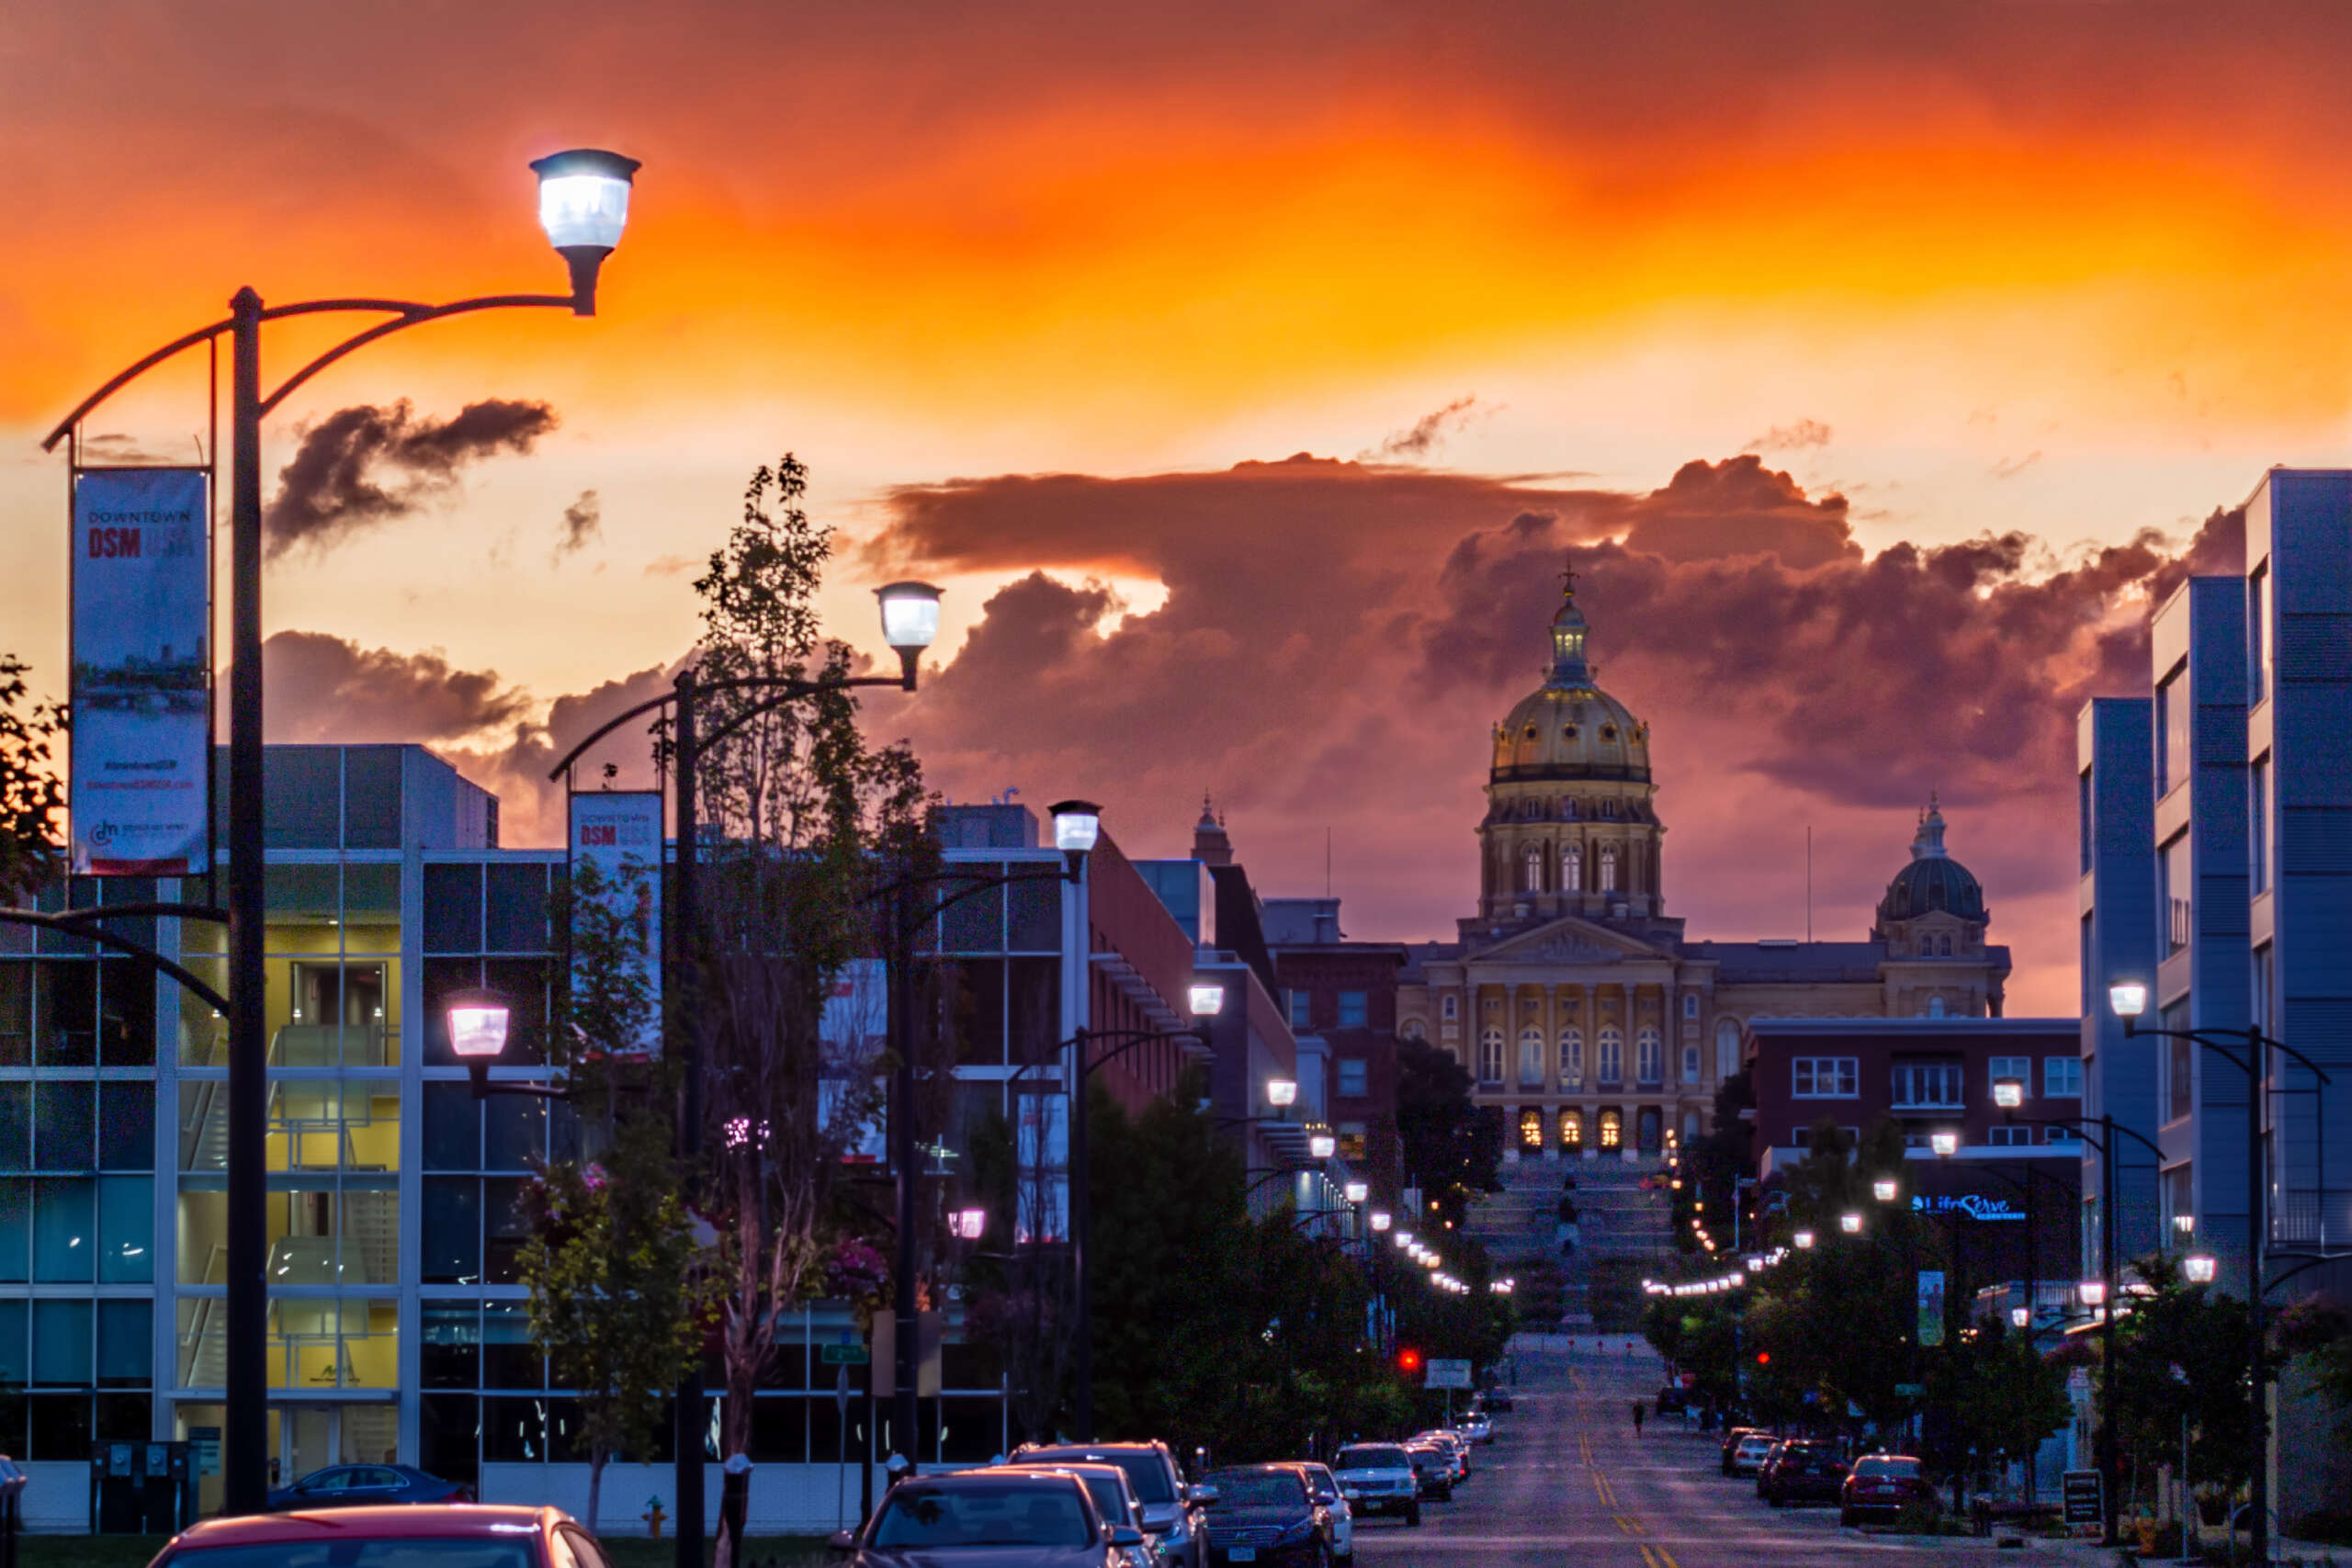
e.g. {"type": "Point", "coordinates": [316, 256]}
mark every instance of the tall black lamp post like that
{"type": "Point", "coordinates": [583, 206]}
{"type": "Point", "coordinates": [2247, 1049]}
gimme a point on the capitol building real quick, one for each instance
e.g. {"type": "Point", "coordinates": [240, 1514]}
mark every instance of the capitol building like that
{"type": "Point", "coordinates": [1589, 1021]}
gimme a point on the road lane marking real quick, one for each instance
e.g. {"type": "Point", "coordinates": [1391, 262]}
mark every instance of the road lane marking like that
{"type": "Point", "coordinates": [1631, 1526]}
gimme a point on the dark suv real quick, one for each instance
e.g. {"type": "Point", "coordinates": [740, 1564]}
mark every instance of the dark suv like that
{"type": "Point", "coordinates": [1174, 1515]}
{"type": "Point", "coordinates": [1802, 1471]}
{"type": "Point", "coordinates": [1886, 1484]}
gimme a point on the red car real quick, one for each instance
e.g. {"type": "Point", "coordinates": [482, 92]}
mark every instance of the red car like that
{"type": "Point", "coordinates": [1883, 1484]}
{"type": "Point", "coordinates": [411, 1536]}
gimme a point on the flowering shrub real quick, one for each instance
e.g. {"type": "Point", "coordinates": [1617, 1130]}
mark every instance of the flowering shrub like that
{"type": "Point", "coordinates": [855, 1272]}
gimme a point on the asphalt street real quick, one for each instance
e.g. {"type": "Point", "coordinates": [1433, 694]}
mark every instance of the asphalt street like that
{"type": "Point", "coordinates": [1567, 1482]}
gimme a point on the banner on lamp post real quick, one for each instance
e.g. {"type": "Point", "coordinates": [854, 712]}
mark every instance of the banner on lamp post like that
{"type": "Point", "coordinates": [1931, 1307]}
{"type": "Point", "coordinates": [141, 745]}
{"type": "Point", "coordinates": [620, 832]}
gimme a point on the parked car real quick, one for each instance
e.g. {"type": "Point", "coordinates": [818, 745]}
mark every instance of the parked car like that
{"type": "Point", "coordinates": [1803, 1473]}
{"type": "Point", "coordinates": [1334, 1502]}
{"type": "Point", "coordinates": [1379, 1478]}
{"type": "Point", "coordinates": [1174, 1515]}
{"type": "Point", "coordinates": [1883, 1484]}
{"type": "Point", "coordinates": [389, 1537]}
{"type": "Point", "coordinates": [358, 1486]}
{"type": "Point", "coordinates": [1115, 1499]}
{"type": "Point", "coordinates": [1731, 1443]}
{"type": "Point", "coordinates": [1432, 1471]}
{"type": "Point", "coordinates": [977, 1515]}
{"type": "Point", "coordinates": [1266, 1515]}
{"type": "Point", "coordinates": [1771, 1457]}
{"type": "Point", "coordinates": [1476, 1427]}
{"type": "Point", "coordinates": [1455, 1444]}
{"type": "Point", "coordinates": [1497, 1399]}
{"type": "Point", "coordinates": [1749, 1456]}
{"type": "Point", "coordinates": [1672, 1398]}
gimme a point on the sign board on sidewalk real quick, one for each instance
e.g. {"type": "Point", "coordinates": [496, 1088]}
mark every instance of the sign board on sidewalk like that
{"type": "Point", "coordinates": [1446, 1374]}
{"type": "Point", "coordinates": [845, 1355]}
{"type": "Point", "coordinates": [2083, 1499]}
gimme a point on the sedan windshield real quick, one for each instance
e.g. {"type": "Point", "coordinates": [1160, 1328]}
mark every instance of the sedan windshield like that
{"type": "Point", "coordinates": [411, 1551]}
{"type": "Point", "coordinates": [995, 1516]}
{"type": "Point", "coordinates": [1370, 1456]}
{"type": "Point", "coordinates": [1109, 1497]}
{"type": "Point", "coordinates": [1147, 1472]}
{"type": "Point", "coordinates": [1258, 1489]}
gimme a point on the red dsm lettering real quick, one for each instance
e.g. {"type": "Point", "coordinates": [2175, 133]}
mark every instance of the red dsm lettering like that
{"type": "Point", "coordinates": [114, 544]}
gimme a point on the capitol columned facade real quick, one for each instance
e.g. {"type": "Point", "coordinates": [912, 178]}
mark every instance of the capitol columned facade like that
{"type": "Point", "coordinates": [1590, 1024]}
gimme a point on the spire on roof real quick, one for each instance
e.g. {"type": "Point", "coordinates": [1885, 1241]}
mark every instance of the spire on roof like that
{"type": "Point", "coordinates": [1210, 845]}
{"type": "Point", "coordinates": [1929, 844]}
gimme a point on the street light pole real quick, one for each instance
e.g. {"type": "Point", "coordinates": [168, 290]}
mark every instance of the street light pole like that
{"type": "Point", "coordinates": [689, 1422]}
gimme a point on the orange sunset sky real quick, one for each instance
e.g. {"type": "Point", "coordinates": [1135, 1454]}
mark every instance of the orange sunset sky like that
{"type": "Point", "coordinates": [1244, 372]}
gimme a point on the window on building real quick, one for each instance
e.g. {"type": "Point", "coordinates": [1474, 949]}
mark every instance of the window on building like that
{"type": "Point", "coordinates": [1531, 871]}
{"type": "Point", "coordinates": [1612, 1128]}
{"type": "Point", "coordinates": [1935, 1008]}
{"type": "Point", "coordinates": [1531, 1129]}
{"type": "Point", "coordinates": [1352, 1146]}
{"type": "Point", "coordinates": [1530, 1058]}
{"type": "Point", "coordinates": [2181, 1066]}
{"type": "Point", "coordinates": [1449, 1010]}
{"type": "Point", "coordinates": [2175, 892]}
{"type": "Point", "coordinates": [2058, 1134]}
{"type": "Point", "coordinates": [1355, 1010]}
{"type": "Point", "coordinates": [1490, 1058]}
{"type": "Point", "coordinates": [2008, 1138]}
{"type": "Point", "coordinates": [1608, 868]}
{"type": "Point", "coordinates": [1572, 1129]}
{"type": "Point", "coordinates": [1301, 1003]}
{"type": "Point", "coordinates": [2257, 802]}
{"type": "Point", "coordinates": [2257, 633]}
{"type": "Point", "coordinates": [2017, 1067]}
{"type": "Point", "coordinates": [2062, 1076]}
{"type": "Point", "coordinates": [1355, 1077]}
{"type": "Point", "coordinates": [2172, 755]}
{"type": "Point", "coordinates": [1727, 1048]}
{"type": "Point", "coordinates": [1824, 1077]}
{"type": "Point", "coordinates": [2264, 998]}
{"type": "Point", "coordinates": [1690, 1064]}
{"type": "Point", "coordinates": [1609, 1068]}
{"type": "Point", "coordinates": [1934, 1084]}
{"type": "Point", "coordinates": [1690, 1004]}
{"type": "Point", "coordinates": [1572, 864]}
{"type": "Point", "coordinates": [1649, 1058]}
{"type": "Point", "coordinates": [1572, 1058]}
{"type": "Point", "coordinates": [2083, 816]}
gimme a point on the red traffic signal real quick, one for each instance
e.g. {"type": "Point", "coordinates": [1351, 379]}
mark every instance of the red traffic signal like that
{"type": "Point", "coordinates": [1763, 1358]}
{"type": "Point", "coordinates": [1408, 1360]}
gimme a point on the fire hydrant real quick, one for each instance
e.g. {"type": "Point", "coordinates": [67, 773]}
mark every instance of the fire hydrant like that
{"type": "Point", "coordinates": [653, 1516]}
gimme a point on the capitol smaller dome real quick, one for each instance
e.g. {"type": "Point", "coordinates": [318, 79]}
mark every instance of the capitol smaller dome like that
{"type": "Point", "coordinates": [1569, 727]}
{"type": "Point", "coordinates": [1933, 883]}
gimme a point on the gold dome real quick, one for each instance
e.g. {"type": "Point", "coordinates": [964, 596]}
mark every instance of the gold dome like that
{"type": "Point", "coordinates": [1569, 727]}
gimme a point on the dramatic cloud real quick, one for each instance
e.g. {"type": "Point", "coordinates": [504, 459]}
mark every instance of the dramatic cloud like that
{"type": "Point", "coordinates": [321, 688]}
{"type": "Point", "coordinates": [363, 467]}
{"type": "Point", "coordinates": [1427, 433]}
{"type": "Point", "coordinates": [584, 524]}
{"type": "Point", "coordinates": [1794, 437]}
{"type": "Point", "coordinates": [1338, 639]}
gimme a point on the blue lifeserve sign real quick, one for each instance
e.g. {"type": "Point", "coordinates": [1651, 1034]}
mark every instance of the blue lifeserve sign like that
{"type": "Point", "coordinates": [142, 682]}
{"type": "Point", "coordinates": [1966, 1205]}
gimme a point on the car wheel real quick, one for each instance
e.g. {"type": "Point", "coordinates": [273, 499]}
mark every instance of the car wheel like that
{"type": "Point", "coordinates": [1413, 1517]}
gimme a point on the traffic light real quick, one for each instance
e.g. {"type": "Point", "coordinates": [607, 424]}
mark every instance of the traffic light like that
{"type": "Point", "coordinates": [1763, 1358]}
{"type": "Point", "coordinates": [1408, 1361]}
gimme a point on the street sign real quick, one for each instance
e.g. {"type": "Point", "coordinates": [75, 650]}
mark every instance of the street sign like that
{"type": "Point", "coordinates": [1446, 1374]}
{"type": "Point", "coordinates": [845, 1355]}
{"type": "Point", "coordinates": [2083, 1499]}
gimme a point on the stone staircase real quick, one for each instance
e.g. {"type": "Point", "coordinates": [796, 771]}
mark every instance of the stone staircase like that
{"type": "Point", "coordinates": [1622, 1231]}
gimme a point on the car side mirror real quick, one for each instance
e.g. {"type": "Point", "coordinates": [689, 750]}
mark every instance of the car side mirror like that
{"type": "Point", "coordinates": [842, 1542]}
{"type": "Point", "coordinates": [1126, 1536]}
{"type": "Point", "coordinates": [1205, 1495]}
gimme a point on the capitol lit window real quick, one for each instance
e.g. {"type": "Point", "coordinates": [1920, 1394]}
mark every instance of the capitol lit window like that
{"type": "Point", "coordinates": [1572, 867]}
{"type": "Point", "coordinates": [1613, 1129]}
{"type": "Point", "coordinates": [1608, 868]}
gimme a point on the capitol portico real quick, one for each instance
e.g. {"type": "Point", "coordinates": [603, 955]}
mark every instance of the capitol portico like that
{"type": "Point", "coordinates": [1589, 1023]}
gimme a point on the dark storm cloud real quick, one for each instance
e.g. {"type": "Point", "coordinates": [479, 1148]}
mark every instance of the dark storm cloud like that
{"type": "Point", "coordinates": [321, 688]}
{"type": "Point", "coordinates": [584, 524]}
{"type": "Point", "coordinates": [362, 467]}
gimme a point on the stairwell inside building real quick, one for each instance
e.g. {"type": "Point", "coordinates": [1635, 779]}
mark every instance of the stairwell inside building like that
{"type": "Point", "coordinates": [1621, 1233]}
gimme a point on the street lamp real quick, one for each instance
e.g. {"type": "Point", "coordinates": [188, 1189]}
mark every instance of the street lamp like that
{"type": "Point", "coordinates": [1946, 1144]}
{"type": "Point", "coordinates": [1883, 1189]}
{"type": "Point", "coordinates": [1206, 999]}
{"type": "Point", "coordinates": [583, 203]}
{"type": "Point", "coordinates": [1804, 1240]}
{"type": "Point", "coordinates": [1357, 1191]}
{"type": "Point", "coordinates": [2129, 998]}
{"type": "Point", "coordinates": [969, 1225]}
{"type": "Point", "coordinates": [2020, 1318]}
{"type": "Point", "coordinates": [1281, 1093]}
{"type": "Point", "coordinates": [910, 622]}
{"type": "Point", "coordinates": [1321, 1145]}
{"type": "Point", "coordinates": [2008, 1093]}
{"type": "Point", "coordinates": [1382, 1219]}
{"type": "Point", "coordinates": [1850, 1222]}
{"type": "Point", "coordinates": [2093, 1292]}
{"type": "Point", "coordinates": [2197, 1269]}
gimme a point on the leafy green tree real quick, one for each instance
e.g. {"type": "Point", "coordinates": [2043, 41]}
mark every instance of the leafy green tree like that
{"type": "Point", "coordinates": [32, 800]}
{"type": "Point", "coordinates": [1997, 1400]}
{"type": "Point", "coordinates": [1451, 1148]}
{"type": "Point", "coordinates": [2180, 1353]}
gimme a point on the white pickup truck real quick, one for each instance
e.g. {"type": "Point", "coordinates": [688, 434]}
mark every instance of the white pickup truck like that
{"type": "Point", "coordinates": [1377, 1478]}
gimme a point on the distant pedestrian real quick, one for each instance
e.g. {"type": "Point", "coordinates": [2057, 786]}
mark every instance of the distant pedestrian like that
{"type": "Point", "coordinates": [1637, 1417]}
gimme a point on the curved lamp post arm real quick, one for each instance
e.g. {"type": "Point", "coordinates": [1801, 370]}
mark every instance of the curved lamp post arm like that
{"type": "Point", "coordinates": [790, 691]}
{"type": "Point", "coordinates": [2081, 1125]}
{"type": "Point", "coordinates": [1129, 1039]}
{"type": "Point", "coordinates": [124, 945]}
{"type": "Point", "coordinates": [132, 911]}
{"type": "Point", "coordinates": [2204, 1038]}
{"type": "Point", "coordinates": [405, 313]}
